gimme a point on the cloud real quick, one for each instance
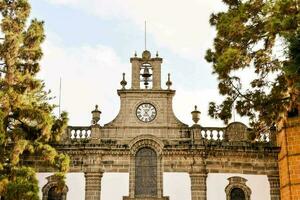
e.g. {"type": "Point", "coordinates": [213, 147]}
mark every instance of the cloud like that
{"type": "Point", "coordinates": [177, 25]}
{"type": "Point", "coordinates": [90, 75]}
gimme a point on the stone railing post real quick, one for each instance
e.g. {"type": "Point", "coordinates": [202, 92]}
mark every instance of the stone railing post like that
{"type": "Point", "coordinates": [93, 185]}
{"type": "Point", "coordinates": [198, 185]}
{"type": "Point", "coordinates": [274, 187]}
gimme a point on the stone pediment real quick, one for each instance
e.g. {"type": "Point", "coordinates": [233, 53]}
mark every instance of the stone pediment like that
{"type": "Point", "coordinates": [236, 132]}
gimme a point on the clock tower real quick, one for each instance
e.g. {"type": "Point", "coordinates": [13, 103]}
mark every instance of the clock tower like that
{"type": "Point", "coordinates": [146, 104]}
{"type": "Point", "coordinates": [145, 120]}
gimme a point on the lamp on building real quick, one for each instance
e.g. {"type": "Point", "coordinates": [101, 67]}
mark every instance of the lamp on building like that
{"type": "Point", "coordinates": [95, 115]}
{"type": "Point", "coordinates": [196, 115]}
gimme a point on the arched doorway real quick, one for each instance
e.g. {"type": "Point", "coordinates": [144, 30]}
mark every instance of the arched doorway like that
{"type": "Point", "coordinates": [146, 173]}
{"type": "Point", "coordinates": [237, 194]}
{"type": "Point", "coordinates": [53, 194]}
{"type": "Point", "coordinates": [237, 189]}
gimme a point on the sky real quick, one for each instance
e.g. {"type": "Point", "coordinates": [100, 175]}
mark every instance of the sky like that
{"type": "Point", "coordinates": [89, 44]}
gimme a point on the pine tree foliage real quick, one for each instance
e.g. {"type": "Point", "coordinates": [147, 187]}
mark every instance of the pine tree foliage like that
{"type": "Point", "coordinates": [27, 124]}
{"type": "Point", "coordinates": [248, 34]}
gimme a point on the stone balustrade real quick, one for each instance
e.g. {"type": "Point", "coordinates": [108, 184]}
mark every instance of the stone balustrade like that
{"type": "Point", "coordinates": [212, 133]}
{"type": "Point", "coordinates": [234, 132]}
{"type": "Point", "coordinates": [79, 132]}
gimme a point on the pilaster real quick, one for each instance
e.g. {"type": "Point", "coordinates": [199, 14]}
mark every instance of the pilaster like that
{"type": "Point", "coordinates": [156, 64]}
{"type": "Point", "coordinates": [93, 185]}
{"type": "Point", "coordinates": [198, 185]}
{"type": "Point", "coordinates": [135, 73]}
{"type": "Point", "coordinates": [274, 187]}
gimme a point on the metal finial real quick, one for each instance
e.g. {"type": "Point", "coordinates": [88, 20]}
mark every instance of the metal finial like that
{"type": "Point", "coordinates": [157, 54]}
{"type": "Point", "coordinates": [123, 82]}
{"type": "Point", "coordinates": [169, 82]}
{"type": "Point", "coordinates": [135, 55]}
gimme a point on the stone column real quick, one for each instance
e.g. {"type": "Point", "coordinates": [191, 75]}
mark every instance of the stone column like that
{"type": "Point", "coordinates": [156, 64]}
{"type": "Point", "coordinates": [274, 187]}
{"type": "Point", "coordinates": [198, 185]}
{"type": "Point", "coordinates": [135, 73]}
{"type": "Point", "coordinates": [93, 185]}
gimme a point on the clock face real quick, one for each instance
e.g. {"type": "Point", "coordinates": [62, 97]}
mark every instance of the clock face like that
{"type": "Point", "coordinates": [146, 112]}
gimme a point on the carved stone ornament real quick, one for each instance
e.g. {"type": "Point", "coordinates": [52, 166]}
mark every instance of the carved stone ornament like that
{"type": "Point", "coordinates": [236, 132]}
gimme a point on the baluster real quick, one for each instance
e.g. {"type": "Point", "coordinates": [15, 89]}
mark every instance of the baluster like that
{"type": "Point", "coordinates": [80, 134]}
{"type": "Point", "coordinates": [218, 135]}
{"type": "Point", "coordinates": [211, 135]}
{"type": "Point", "coordinates": [85, 134]}
{"type": "Point", "coordinates": [76, 134]}
{"type": "Point", "coordinates": [205, 134]}
{"type": "Point", "coordinates": [222, 135]}
{"type": "Point", "coordinates": [72, 134]}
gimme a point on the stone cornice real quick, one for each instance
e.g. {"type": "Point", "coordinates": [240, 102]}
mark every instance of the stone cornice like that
{"type": "Point", "coordinates": [145, 91]}
{"type": "Point", "coordinates": [264, 151]}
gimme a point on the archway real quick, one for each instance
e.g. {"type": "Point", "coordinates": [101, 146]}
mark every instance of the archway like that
{"type": "Point", "coordinates": [237, 194]}
{"type": "Point", "coordinates": [146, 173]}
{"type": "Point", "coordinates": [53, 194]}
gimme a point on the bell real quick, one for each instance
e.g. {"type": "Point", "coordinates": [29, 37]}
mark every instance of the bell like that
{"type": "Point", "coordinates": [146, 82]}
{"type": "Point", "coordinates": [146, 73]}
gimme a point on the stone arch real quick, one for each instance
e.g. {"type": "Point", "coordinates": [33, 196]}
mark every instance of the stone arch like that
{"type": "Point", "coordinates": [239, 184]}
{"type": "Point", "coordinates": [146, 172]}
{"type": "Point", "coordinates": [146, 141]}
{"type": "Point", "coordinates": [51, 184]}
{"type": "Point", "coordinates": [151, 143]}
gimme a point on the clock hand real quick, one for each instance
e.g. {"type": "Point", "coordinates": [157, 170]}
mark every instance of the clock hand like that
{"type": "Point", "coordinates": [146, 112]}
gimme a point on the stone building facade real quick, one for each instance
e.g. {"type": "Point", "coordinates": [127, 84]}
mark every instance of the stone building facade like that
{"type": "Point", "coordinates": [146, 140]}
